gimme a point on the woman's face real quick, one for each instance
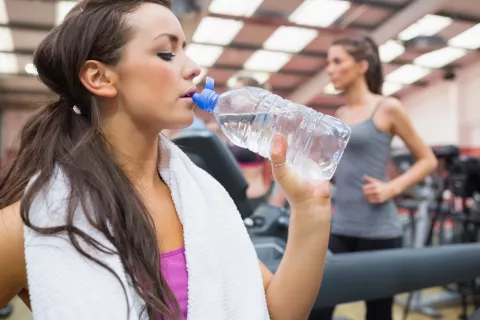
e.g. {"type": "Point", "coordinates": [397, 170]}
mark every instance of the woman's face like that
{"type": "Point", "coordinates": [153, 79]}
{"type": "Point", "coordinates": [342, 68]}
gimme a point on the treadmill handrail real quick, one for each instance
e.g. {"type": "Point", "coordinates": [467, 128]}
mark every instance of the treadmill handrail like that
{"type": "Point", "coordinates": [359, 276]}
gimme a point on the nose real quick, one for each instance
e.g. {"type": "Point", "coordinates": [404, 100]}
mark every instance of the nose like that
{"type": "Point", "coordinates": [329, 69]}
{"type": "Point", "coordinates": [191, 69]}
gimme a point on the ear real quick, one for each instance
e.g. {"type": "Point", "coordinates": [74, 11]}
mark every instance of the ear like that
{"type": "Point", "coordinates": [364, 66]}
{"type": "Point", "coordinates": [98, 79]}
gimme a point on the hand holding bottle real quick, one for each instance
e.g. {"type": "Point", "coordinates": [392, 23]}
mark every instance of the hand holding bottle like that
{"type": "Point", "coordinates": [309, 199]}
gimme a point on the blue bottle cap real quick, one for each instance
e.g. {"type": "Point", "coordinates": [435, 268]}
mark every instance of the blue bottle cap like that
{"type": "Point", "coordinates": [207, 99]}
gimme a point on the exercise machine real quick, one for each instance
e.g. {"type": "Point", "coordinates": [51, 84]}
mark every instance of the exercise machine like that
{"type": "Point", "coordinates": [420, 200]}
{"type": "Point", "coordinates": [209, 152]}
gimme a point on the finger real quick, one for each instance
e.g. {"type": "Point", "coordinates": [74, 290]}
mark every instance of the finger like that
{"type": "Point", "coordinates": [370, 179]}
{"type": "Point", "coordinates": [373, 190]}
{"type": "Point", "coordinates": [372, 199]}
{"type": "Point", "coordinates": [278, 155]}
{"type": "Point", "coordinates": [369, 186]}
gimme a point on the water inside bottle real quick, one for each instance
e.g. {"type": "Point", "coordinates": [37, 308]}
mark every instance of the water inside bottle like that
{"type": "Point", "coordinates": [313, 152]}
{"type": "Point", "coordinates": [247, 130]}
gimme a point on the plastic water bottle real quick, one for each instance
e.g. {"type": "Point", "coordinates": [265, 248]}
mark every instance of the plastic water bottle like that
{"type": "Point", "coordinates": [250, 117]}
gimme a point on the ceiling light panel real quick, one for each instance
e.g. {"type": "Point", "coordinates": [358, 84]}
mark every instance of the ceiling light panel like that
{"type": "Point", "coordinates": [290, 39]}
{"type": "Point", "coordinates": [6, 40]}
{"type": "Point", "coordinates": [3, 12]}
{"type": "Point", "coordinates": [267, 61]}
{"type": "Point", "coordinates": [439, 58]}
{"type": "Point", "coordinates": [31, 69]}
{"type": "Point", "coordinates": [407, 74]}
{"type": "Point", "coordinates": [390, 50]}
{"type": "Point", "coordinates": [244, 8]}
{"type": "Point", "coordinates": [390, 88]}
{"type": "Point", "coordinates": [8, 63]}
{"type": "Point", "coordinates": [469, 39]}
{"type": "Point", "coordinates": [204, 55]}
{"type": "Point", "coordinates": [62, 8]}
{"type": "Point", "coordinates": [319, 13]}
{"type": "Point", "coordinates": [217, 31]}
{"type": "Point", "coordinates": [427, 26]}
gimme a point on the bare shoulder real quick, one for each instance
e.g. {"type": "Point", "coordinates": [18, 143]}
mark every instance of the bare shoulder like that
{"type": "Point", "coordinates": [11, 224]}
{"type": "Point", "coordinates": [12, 263]}
{"type": "Point", "coordinates": [392, 106]}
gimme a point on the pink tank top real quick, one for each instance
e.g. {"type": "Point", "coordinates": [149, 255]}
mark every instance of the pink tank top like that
{"type": "Point", "coordinates": [174, 269]}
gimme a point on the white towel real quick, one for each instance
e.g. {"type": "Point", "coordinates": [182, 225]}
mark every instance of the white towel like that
{"type": "Point", "coordinates": [224, 281]}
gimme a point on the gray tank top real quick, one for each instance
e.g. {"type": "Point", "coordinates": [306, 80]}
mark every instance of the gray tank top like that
{"type": "Point", "coordinates": [367, 153]}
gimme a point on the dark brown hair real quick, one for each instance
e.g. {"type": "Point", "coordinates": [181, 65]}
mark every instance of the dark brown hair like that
{"type": "Point", "coordinates": [362, 47]}
{"type": "Point", "coordinates": [57, 137]}
{"type": "Point", "coordinates": [252, 82]}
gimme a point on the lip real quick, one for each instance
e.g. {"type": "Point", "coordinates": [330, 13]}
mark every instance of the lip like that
{"type": "Point", "coordinates": [189, 94]}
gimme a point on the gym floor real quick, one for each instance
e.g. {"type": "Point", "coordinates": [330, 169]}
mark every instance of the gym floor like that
{"type": "Point", "coordinates": [352, 311]}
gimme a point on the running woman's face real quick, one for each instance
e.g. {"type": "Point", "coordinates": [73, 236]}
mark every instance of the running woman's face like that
{"type": "Point", "coordinates": [342, 68]}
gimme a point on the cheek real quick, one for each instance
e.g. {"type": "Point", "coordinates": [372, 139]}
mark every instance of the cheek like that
{"type": "Point", "coordinates": [347, 73]}
{"type": "Point", "coordinates": [150, 81]}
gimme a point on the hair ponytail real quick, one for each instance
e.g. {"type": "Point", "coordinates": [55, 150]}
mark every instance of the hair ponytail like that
{"type": "Point", "coordinates": [374, 75]}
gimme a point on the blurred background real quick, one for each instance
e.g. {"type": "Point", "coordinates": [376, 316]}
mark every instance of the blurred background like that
{"type": "Point", "coordinates": [429, 50]}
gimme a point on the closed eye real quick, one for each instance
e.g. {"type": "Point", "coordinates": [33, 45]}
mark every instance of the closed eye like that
{"type": "Point", "coordinates": [167, 56]}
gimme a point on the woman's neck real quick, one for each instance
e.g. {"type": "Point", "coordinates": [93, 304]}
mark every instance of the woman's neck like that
{"type": "Point", "coordinates": [136, 153]}
{"type": "Point", "coordinates": [358, 95]}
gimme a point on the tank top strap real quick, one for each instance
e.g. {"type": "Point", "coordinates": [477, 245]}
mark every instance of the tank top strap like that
{"type": "Point", "coordinates": [377, 106]}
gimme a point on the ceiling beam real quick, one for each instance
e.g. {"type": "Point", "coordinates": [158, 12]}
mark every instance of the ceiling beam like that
{"type": "Point", "coordinates": [380, 4]}
{"type": "Point", "coordinates": [249, 47]}
{"type": "Point", "coordinates": [386, 31]}
{"type": "Point", "coordinates": [279, 20]}
{"type": "Point", "coordinates": [459, 16]}
{"type": "Point", "coordinates": [286, 72]}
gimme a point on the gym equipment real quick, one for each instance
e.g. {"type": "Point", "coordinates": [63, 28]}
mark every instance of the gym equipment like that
{"type": "Point", "coordinates": [475, 316]}
{"type": "Point", "coordinates": [463, 176]}
{"type": "Point", "coordinates": [376, 274]}
{"type": "Point", "coordinates": [385, 273]}
{"type": "Point", "coordinates": [5, 312]}
{"type": "Point", "coordinates": [269, 221]}
{"type": "Point", "coordinates": [421, 199]}
{"type": "Point", "coordinates": [462, 183]}
{"type": "Point", "coordinates": [208, 151]}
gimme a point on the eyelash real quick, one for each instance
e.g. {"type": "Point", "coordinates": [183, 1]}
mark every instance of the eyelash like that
{"type": "Point", "coordinates": [166, 56]}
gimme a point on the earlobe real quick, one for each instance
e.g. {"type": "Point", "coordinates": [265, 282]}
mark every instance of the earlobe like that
{"type": "Point", "coordinates": [364, 65]}
{"type": "Point", "coordinates": [98, 79]}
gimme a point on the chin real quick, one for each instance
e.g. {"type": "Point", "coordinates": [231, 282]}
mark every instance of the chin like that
{"type": "Point", "coordinates": [182, 122]}
{"type": "Point", "coordinates": [338, 87]}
